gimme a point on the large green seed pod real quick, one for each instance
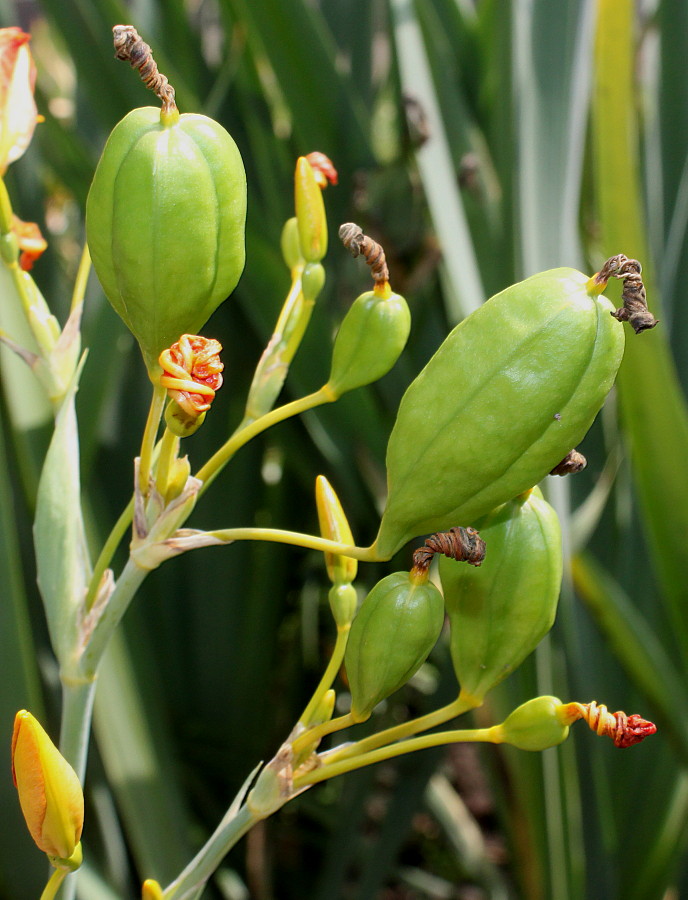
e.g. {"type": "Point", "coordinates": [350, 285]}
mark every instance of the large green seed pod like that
{"type": "Point", "coordinates": [391, 636]}
{"type": "Point", "coordinates": [165, 223]}
{"type": "Point", "coordinates": [501, 611]}
{"type": "Point", "coordinates": [511, 390]}
{"type": "Point", "coordinates": [369, 341]}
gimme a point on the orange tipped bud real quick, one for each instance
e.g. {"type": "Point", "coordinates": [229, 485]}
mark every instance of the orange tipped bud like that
{"type": "Point", "coordinates": [310, 212]}
{"type": "Point", "coordinates": [18, 114]}
{"type": "Point", "coordinates": [50, 794]}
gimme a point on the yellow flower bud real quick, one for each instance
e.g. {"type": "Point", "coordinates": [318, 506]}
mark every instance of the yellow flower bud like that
{"type": "Point", "coordinates": [151, 890]}
{"type": "Point", "coordinates": [310, 212]}
{"type": "Point", "coordinates": [335, 527]}
{"type": "Point", "coordinates": [50, 794]}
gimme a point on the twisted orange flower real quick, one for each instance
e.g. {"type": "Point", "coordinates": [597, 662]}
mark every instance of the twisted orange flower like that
{"type": "Point", "coordinates": [622, 729]}
{"type": "Point", "coordinates": [323, 168]}
{"type": "Point", "coordinates": [31, 242]}
{"type": "Point", "coordinates": [191, 372]}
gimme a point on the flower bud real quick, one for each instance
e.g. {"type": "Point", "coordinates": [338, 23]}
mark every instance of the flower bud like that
{"type": "Point", "coordinates": [192, 374]}
{"type": "Point", "coordinates": [310, 212]}
{"type": "Point", "coordinates": [535, 725]}
{"type": "Point", "coordinates": [335, 527]}
{"type": "Point", "coordinates": [151, 890]}
{"type": "Point", "coordinates": [50, 794]}
{"type": "Point", "coordinates": [18, 114]}
{"type": "Point", "coordinates": [291, 248]}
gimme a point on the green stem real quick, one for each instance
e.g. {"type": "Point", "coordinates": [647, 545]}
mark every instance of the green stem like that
{"type": "Point", "coordinates": [315, 734]}
{"type": "Point", "coordinates": [169, 448]}
{"type": "Point", "coordinates": [329, 674]}
{"type": "Point", "coordinates": [77, 710]}
{"type": "Point", "coordinates": [296, 538]}
{"type": "Point", "coordinates": [209, 857]}
{"type": "Point", "coordinates": [340, 766]}
{"type": "Point", "coordinates": [81, 279]}
{"type": "Point", "coordinates": [406, 729]}
{"type": "Point", "coordinates": [53, 885]}
{"type": "Point", "coordinates": [128, 583]}
{"type": "Point", "coordinates": [150, 433]}
{"type": "Point", "coordinates": [108, 551]}
{"type": "Point", "coordinates": [209, 471]}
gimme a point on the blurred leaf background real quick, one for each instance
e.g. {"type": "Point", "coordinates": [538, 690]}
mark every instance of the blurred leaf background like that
{"type": "Point", "coordinates": [479, 141]}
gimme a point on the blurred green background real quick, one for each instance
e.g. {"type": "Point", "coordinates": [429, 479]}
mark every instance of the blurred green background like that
{"type": "Point", "coordinates": [479, 142]}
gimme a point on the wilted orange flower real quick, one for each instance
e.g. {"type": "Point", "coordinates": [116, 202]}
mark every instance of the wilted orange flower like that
{"type": "Point", "coordinates": [322, 167]}
{"type": "Point", "coordinates": [18, 114]}
{"type": "Point", "coordinates": [624, 730]}
{"type": "Point", "coordinates": [31, 242]}
{"type": "Point", "coordinates": [191, 372]}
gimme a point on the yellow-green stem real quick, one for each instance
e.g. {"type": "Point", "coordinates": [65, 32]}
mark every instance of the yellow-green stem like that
{"type": "Point", "coordinates": [209, 471]}
{"type": "Point", "coordinates": [296, 538]}
{"type": "Point", "coordinates": [169, 448]}
{"type": "Point", "coordinates": [340, 766]}
{"type": "Point", "coordinates": [53, 885]}
{"type": "Point", "coordinates": [406, 729]}
{"type": "Point", "coordinates": [150, 433]}
{"type": "Point", "coordinates": [315, 734]}
{"type": "Point", "coordinates": [81, 279]}
{"type": "Point", "coordinates": [329, 675]}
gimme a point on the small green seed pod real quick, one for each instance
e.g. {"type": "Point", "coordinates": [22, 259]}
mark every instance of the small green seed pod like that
{"type": "Point", "coordinates": [511, 390]}
{"type": "Point", "coordinates": [391, 636]}
{"type": "Point", "coordinates": [165, 224]}
{"type": "Point", "coordinates": [370, 340]}
{"type": "Point", "coordinates": [501, 611]}
{"type": "Point", "coordinates": [535, 725]}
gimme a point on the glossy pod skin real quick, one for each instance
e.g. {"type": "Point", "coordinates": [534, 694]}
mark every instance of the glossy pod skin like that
{"type": "Point", "coordinates": [391, 636]}
{"type": "Point", "coordinates": [500, 612]}
{"type": "Point", "coordinates": [513, 388]}
{"type": "Point", "coordinates": [165, 221]}
{"type": "Point", "coordinates": [369, 341]}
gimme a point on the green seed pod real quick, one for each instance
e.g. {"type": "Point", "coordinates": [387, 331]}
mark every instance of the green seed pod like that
{"type": "Point", "coordinates": [369, 341]}
{"type": "Point", "coordinates": [391, 636]}
{"type": "Point", "coordinates": [511, 390]}
{"type": "Point", "coordinates": [535, 725]}
{"type": "Point", "coordinates": [501, 611]}
{"type": "Point", "coordinates": [312, 280]}
{"type": "Point", "coordinates": [165, 224]}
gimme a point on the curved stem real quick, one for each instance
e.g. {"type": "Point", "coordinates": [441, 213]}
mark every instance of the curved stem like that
{"type": "Point", "coordinates": [340, 766]}
{"type": "Point", "coordinates": [53, 885]}
{"type": "Point", "coordinates": [319, 731]}
{"type": "Point", "coordinates": [329, 674]}
{"type": "Point", "coordinates": [209, 857]}
{"type": "Point", "coordinates": [81, 279]}
{"type": "Point", "coordinates": [406, 729]}
{"type": "Point", "coordinates": [296, 538]}
{"type": "Point", "coordinates": [209, 471]}
{"type": "Point", "coordinates": [150, 433]}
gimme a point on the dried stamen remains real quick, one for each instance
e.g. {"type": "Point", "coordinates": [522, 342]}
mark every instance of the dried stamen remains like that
{"type": "Point", "coordinates": [461, 544]}
{"type": "Point", "coordinates": [130, 47]}
{"type": "Point", "coordinates": [351, 235]}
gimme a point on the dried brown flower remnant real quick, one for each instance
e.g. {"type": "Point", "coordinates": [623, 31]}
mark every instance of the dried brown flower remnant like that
{"type": "Point", "coordinates": [622, 729]}
{"type": "Point", "coordinates": [573, 462]}
{"type": "Point", "coordinates": [634, 309]}
{"type": "Point", "coordinates": [191, 372]}
{"type": "Point", "coordinates": [461, 544]}
{"type": "Point", "coordinates": [131, 48]}
{"type": "Point", "coordinates": [323, 168]}
{"type": "Point", "coordinates": [359, 244]}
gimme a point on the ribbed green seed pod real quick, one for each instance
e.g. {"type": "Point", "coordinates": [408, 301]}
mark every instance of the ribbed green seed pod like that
{"type": "Point", "coordinates": [369, 341]}
{"type": "Point", "coordinates": [501, 611]}
{"type": "Point", "coordinates": [391, 636]}
{"type": "Point", "coordinates": [165, 224]}
{"type": "Point", "coordinates": [535, 725]}
{"type": "Point", "coordinates": [512, 389]}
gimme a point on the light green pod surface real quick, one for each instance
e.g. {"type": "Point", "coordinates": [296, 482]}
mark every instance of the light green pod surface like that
{"type": "Point", "coordinates": [535, 725]}
{"type": "Point", "coordinates": [391, 636]}
{"type": "Point", "coordinates": [369, 341]}
{"type": "Point", "coordinates": [501, 611]}
{"type": "Point", "coordinates": [513, 388]}
{"type": "Point", "coordinates": [165, 222]}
